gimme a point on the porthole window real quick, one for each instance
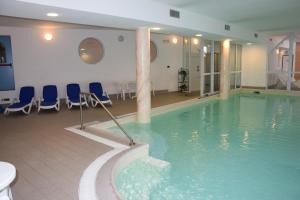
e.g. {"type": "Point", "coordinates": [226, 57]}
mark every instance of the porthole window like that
{"type": "Point", "coordinates": [153, 51]}
{"type": "Point", "coordinates": [91, 50]}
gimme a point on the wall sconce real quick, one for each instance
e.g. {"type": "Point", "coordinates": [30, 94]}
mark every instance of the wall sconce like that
{"type": "Point", "coordinates": [48, 36]}
{"type": "Point", "coordinates": [175, 40]}
{"type": "Point", "coordinates": [195, 41]}
{"type": "Point", "coordinates": [277, 51]}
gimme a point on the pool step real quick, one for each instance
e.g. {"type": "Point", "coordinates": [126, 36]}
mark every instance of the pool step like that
{"type": "Point", "coordinates": [156, 162]}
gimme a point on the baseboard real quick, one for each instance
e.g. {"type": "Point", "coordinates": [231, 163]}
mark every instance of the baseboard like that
{"type": "Point", "coordinates": [254, 87]}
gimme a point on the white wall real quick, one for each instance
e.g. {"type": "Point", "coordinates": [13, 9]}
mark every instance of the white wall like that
{"type": "Point", "coordinates": [254, 64]}
{"type": "Point", "coordinates": [39, 62]}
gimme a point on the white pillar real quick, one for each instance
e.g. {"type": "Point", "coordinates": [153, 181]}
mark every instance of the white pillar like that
{"type": "Point", "coordinates": [225, 70]}
{"type": "Point", "coordinates": [202, 65]}
{"type": "Point", "coordinates": [212, 66]}
{"type": "Point", "coordinates": [143, 85]}
{"type": "Point", "coordinates": [292, 38]}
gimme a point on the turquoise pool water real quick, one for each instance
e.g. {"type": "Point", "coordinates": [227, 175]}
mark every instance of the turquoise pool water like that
{"type": "Point", "coordinates": [245, 148]}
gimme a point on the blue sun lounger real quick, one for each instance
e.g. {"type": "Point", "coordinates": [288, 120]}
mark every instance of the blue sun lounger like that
{"type": "Point", "coordinates": [50, 98]}
{"type": "Point", "coordinates": [97, 89]}
{"type": "Point", "coordinates": [73, 96]}
{"type": "Point", "coordinates": [26, 99]}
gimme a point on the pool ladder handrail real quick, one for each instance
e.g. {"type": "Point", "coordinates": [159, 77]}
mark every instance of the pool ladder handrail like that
{"type": "Point", "coordinates": [84, 94]}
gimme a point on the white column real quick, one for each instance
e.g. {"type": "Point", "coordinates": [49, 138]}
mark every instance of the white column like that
{"type": "Point", "coordinates": [202, 61]}
{"type": "Point", "coordinates": [143, 85]}
{"type": "Point", "coordinates": [212, 66]}
{"type": "Point", "coordinates": [225, 70]}
{"type": "Point", "coordinates": [291, 57]}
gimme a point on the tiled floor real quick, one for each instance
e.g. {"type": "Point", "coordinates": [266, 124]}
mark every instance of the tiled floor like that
{"type": "Point", "coordinates": [49, 159]}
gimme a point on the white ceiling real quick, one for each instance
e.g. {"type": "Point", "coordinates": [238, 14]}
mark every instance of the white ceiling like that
{"type": "Point", "coordinates": [270, 16]}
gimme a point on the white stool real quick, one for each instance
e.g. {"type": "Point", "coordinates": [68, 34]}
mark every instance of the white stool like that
{"type": "Point", "coordinates": [7, 175]}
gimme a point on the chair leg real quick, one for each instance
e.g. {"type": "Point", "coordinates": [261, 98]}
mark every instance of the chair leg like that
{"type": "Point", "coordinates": [57, 107]}
{"type": "Point", "coordinates": [93, 103]}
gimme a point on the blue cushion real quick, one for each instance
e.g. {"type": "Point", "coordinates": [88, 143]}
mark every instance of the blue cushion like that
{"type": "Point", "coordinates": [1, 110]}
{"type": "Point", "coordinates": [96, 88]}
{"type": "Point", "coordinates": [48, 103]}
{"type": "Point", "coordinates": [26, 94]}
{"type": "Point", "coordinates": [104, 98]}
{"type": "Point", "coordinates": [50, 93]}
{"type": "Point", "coordinates": [73, 91]}
{"type": "Point", "coordinates": [18, 105]}
{"type": "Point", "coordinates": [76, 100]}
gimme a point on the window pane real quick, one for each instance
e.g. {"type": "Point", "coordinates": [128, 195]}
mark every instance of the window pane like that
{"type": "Point", "coordinates": [232, 57]}
{"type": "Point", "coordinates": [207, 63]}
{"type": "Point", "coordinates": [217, 56]}
{"type": "Point", "coordinates": [207, 55]}
{"type": "Point", "coordinates": [7, 81]}
{"type": "Point", "coordinates": [239, 57]}
{"type": "Point", "coordinates": [217, 83]}
{"type": "Point", "coordinates": [238, 80]}
{"type": "Point", "coordinates": [232, 81]}
{"type": "Point", "coordinates": [277, 81]}
{"type": "Point", "coordinates": [206, 84]}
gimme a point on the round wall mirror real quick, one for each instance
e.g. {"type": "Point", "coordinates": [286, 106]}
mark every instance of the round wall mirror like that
{"type": "Point", "coordinates": [153, 51]}
{"type": "Point", "coordinates": [91, 50]}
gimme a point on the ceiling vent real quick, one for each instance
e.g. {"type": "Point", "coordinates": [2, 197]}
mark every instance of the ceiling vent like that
{"type": "Point", "coordinates": [174, 13]}
{"type": "Point", "coordinates": [227, 27]}
{"type": "Point", "coordinates": [256, 35]}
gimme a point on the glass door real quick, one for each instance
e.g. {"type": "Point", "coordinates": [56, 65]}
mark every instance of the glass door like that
{"type": "Point", "coordinates": [211, 69]}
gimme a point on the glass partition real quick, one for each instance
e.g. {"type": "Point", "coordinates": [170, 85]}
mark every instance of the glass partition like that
{"type": "Point", "coordinates": [235, 63]}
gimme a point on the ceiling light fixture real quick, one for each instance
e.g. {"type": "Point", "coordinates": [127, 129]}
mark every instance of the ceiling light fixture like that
{"type": "Point", "coordinates": [249, 43]}
{"type": "Point", "coordinates": [52, 14]}
{"type": "Point", "coordinates": [198, 35]}
{"type": "Point", "coordinates": [155, 28]}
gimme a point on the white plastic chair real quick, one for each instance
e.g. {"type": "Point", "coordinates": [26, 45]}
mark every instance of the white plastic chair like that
{"type": "Point", "coordinates": [7, 176]}
{"type": "Point", "coordinates": [131, 89]}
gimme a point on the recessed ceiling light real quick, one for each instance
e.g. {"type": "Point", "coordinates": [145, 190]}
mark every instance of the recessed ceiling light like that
{"type": "Point", "coordinates": [52, 14]}
{"type": "Point", "coordinates": [249, 43]}
{"type": "Point", "coordinates": [155, 28]}
{"type": "Point", "coordinates": [198, 35]}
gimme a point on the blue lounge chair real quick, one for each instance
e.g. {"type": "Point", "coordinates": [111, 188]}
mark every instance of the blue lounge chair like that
{"type": "Point", "coordinates": [26, 99]}
{"type": "Point", "coordinates": [73, 95]}
{"type": "Point", "coordinates": [50, 98]}
{"type": "Point", "coordinates": [97, 89]}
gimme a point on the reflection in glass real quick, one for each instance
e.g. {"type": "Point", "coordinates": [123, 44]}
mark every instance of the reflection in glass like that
{"type": "Point", "coordinates": [91, 50]}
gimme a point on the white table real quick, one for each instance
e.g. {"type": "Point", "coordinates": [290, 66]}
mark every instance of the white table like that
{"type": "Point", "coordinates": [7, 176]}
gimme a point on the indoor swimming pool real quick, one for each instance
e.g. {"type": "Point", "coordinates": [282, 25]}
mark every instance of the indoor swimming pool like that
{"type": "Point", "coordinates": [247, 147]}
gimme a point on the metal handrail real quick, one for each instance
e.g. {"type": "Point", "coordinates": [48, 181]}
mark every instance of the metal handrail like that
{"type": "Point", "coordinates": [84, 94]}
